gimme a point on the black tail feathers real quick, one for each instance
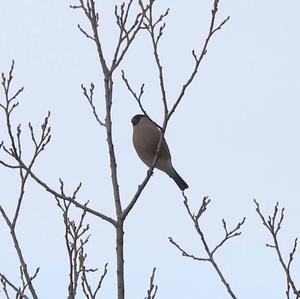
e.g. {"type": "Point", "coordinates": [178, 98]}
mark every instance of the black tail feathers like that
{"type": "Point", "coordinates": [179, 181]}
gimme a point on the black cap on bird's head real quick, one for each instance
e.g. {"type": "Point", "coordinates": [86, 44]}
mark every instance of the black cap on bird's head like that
{"type": "Point", "coordinates": [136, 118]}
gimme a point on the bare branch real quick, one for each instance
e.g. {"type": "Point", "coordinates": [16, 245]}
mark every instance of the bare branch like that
{"type": "Point", "coordinates": [76, 238]}
{"type": "Point", "coordinates": [210, 252]}
{"type": "Point", "coordinates": [141, 187]}
{"type": "Point", "coordinates": [39, 147]}
{"type": "Point", "coordinates": [85, 33]}
{"type": "Point", "coordinates": [228, 235]}
{"type": "Point", "coordinates": [16, 151]}
{"type": "Point", "coordinates": [89, 97]}
{"type": "Point", "coordinates": [86, 285]}
{"type": "Point", "coordinates": [4, 281]}
{"type": "Point", "coordinates": [8, 165]}
{"type": "Point", "coordinates": [15, 105]}
{"type": "Point", "coordinates": [152, 291]}
{"type": "Point", "coordinates": [150, 25]}
{"type": "Point", "coordinates": [25, 283]}
{"type": "Point", "coordinates": [20, 254]}
{"type": "Point", "coordinates": [8, 109]}
{"type": "Point", "coordinates": [161, 17]}
{"type": "Point", "coordinates": [20, 90]}
{"type": "Point", "coordinates": [273, 225]}
{"type": "Point", "coordinates": [89, 9]}
{"type": "Point", "coordinates": [185, 253]}
{"type": "Point", "coordinates": [212, 30]}
{"type": "Point", "coordinates": [32, 135]}
{"type": "Point", "coordinates": [76, 6]}
{"type": "Point", "coordinates": [126, 34]}
{"type": "Point", "coordinates": [202, 209]}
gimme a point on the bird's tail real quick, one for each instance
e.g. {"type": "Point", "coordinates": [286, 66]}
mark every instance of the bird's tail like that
{"type": "Point", "coordinates": [179, 180]}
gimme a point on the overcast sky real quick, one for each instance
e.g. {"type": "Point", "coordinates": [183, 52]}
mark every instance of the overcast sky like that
{"type": "Point", "coordinates": [234, 137]}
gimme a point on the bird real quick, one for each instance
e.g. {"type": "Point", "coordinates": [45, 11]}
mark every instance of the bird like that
{"type": "Point", "coordinates": [145, 139]}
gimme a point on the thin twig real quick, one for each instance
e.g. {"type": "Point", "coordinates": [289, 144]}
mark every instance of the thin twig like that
{"type": "Point", "coordinates": [152, 291]}
{"type": "Point", "coordinates": [185, 253]}
{"type": "Point", "coordinates": [89, 97]}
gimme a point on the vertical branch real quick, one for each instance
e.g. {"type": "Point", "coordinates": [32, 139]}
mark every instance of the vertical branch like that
{"type": "Point", "coordinates": [120, 259]}
{"type": "Point", "coordinates": [109, 138]}
{"type": "Point", "coordinates": [20, 254]}
{"type": "Point", "coordinates": [273, 224]}
{"type": "Point", "coordinates": [152, 291]}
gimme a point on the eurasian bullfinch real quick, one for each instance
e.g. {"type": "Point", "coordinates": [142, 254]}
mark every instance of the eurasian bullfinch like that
{"type": "Point", "coordinates": [145, 140]}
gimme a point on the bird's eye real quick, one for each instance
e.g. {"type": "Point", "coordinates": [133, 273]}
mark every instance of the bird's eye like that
{"type": "Point", "coordinates": [134, 120]}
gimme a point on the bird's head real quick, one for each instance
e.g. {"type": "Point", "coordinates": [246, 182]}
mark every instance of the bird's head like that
{"type": "Point", "coordinates": [136, 119]}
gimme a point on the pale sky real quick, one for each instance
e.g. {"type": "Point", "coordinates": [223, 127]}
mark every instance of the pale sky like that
{"type": "Point", "coordinates": [234, 138]}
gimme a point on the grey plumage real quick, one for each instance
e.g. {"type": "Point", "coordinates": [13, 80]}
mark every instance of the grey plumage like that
{"type": "Point", "coordinates": [146, 136]}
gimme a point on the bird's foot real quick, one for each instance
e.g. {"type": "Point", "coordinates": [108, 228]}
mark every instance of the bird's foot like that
{"type": "Point", "coordinates": [150, 172]}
